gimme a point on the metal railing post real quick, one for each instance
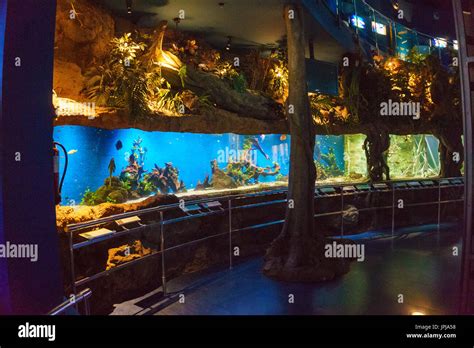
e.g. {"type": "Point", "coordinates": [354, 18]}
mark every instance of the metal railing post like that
{"type": "Point", "coordinates": [71, 259]}
{"type": "Point", "coordinates": [230, 232]}
{"type": "Point", "coordinates": [439, 211]}
{"type": "Point", "coordinates": [375, 32]}
{"type": "Point", "coordinates": [342, 211]}
{"type": "Point", "coordinates": [393, 215]}
{"type": "Point", "coordinates": [355, 12]}
{"type": "Point", "coordinates": [87, 309]}
{"type": "Point", "coordinates": [162, 242]}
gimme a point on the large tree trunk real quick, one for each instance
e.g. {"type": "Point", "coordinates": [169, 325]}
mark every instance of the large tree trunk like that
{"type": "Point", "coordinates": [450, 142]}
{"type": "Point", "coordinates": [376, 146]}
{"type": "Point", "coordinates": [298, 252]}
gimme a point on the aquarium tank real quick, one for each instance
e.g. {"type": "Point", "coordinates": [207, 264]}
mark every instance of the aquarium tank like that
{"type": "Point", "coordinates": [413, 156]}
{"type": "Point", "coordinates": [126, 165]}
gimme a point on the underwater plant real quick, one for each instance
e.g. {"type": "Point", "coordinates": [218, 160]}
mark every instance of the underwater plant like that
{"type": "Point", "coordinates": [411, 156]}
{"type": "Point", "coordinates": [89, 198]}
{"type": "Point", "coordinates": [327, 167]}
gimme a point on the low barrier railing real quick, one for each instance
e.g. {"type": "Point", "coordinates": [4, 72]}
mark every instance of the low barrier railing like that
{"type": "Point", "coordinates": [224, 206]}
{"type": "Point", "coordinates": [74, 301]}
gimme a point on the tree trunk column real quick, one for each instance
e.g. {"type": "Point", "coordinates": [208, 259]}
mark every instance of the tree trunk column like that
{"type": "Point", "coordinates": [451, 154]}
{"type": "Point", "coordinates": [297, 254]}
{"type": "Point", "coordinates": [376, 146]}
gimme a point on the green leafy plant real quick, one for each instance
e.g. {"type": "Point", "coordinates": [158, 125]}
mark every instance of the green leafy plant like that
{"type": "Point", "coordinates": [89, 198]}
{"type": "Point", "coordinates": [182, 72]}
{"type": "Point", "coordinates": [239, 83]}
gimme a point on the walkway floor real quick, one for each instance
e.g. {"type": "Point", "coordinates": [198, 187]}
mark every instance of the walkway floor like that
{"type": "Point", "coordinates": [420, 266]}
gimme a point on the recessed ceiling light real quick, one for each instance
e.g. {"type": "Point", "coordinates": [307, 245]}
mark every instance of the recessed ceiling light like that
{"type": "Point", "coordinates": [221, 4]}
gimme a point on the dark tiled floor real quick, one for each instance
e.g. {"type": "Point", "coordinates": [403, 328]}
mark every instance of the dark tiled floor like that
{"type": "Point", "coordinates": [419, 265]}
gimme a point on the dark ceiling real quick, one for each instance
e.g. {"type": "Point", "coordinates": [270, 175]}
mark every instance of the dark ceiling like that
{"type": "Point", "coordinates": [249, 22]}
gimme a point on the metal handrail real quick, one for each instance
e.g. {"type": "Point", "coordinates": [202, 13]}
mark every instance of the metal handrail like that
{"type": "Point", "coordinates": [74, 300]}
{"type": "Point", "coordinates": [388, 20]}
{"type": "Point", "coordinates": [391, 186]}
{"type": "Point", "coordinates": [163, 208]}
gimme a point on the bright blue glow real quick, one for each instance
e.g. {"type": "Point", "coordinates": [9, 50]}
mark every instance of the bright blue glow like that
{"type": "Point", "coordinates": [379, 28]}
{"type": "Point", "coordinates": [91, 150]}
{"type": "Point", "coordinates": [439, 42]}
{"type": "Point", "coordinates": [358, 22]}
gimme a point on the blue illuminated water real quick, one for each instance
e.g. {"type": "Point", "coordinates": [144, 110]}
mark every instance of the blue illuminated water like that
{"type": "Point", "coordinates": [91, 149]}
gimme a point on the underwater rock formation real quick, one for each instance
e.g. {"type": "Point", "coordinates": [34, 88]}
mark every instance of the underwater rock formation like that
{"type": "Point", "coordinates": [221, 179]}
{"type": "Point", "coordinates": [133, 172]}
{"type": "Point", "coordinates": [133, 183]}
{"type": "Point", "coordinates": [237, 174]}
{"type": "Point", "coordinates": [165, 179]}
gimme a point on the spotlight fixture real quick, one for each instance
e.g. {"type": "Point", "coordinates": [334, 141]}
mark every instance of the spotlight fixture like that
{"type": "Point", "coordinates": [221, 4]}
{"type": "Point", "coordinates": [176, 21]}
{"type": "Point", "coordinates": [395, 5]}
{"type": "Point", "coordinates": [229, 43]}
{"type": "Point", "coordinates": [129, 6]}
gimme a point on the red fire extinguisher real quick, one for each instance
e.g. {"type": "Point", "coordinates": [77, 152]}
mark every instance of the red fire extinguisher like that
{"type": "Point", "coordinates": [58, 184]}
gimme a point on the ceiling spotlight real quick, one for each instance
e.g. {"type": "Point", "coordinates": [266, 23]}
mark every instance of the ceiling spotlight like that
{"type": "Point", "coordinates": [129, 6]}
{"type": "Point", "coordinates": [229, 42]}
{"type": "Point", "coordinates": [221, 4]}
{"type": "Point", "coordinates": [176, 21]}
{"type": "Point", "coordinates": [395, 5]}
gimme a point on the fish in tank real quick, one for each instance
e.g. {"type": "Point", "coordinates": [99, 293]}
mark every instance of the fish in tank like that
{"type": "Point", "coordinates": [126, 165]}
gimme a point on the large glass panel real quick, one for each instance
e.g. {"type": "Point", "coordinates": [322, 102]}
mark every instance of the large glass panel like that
{"type": "Point", "coordinates": [413, 156]}
{"type": "Point", "coordinates": [116, 166]}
